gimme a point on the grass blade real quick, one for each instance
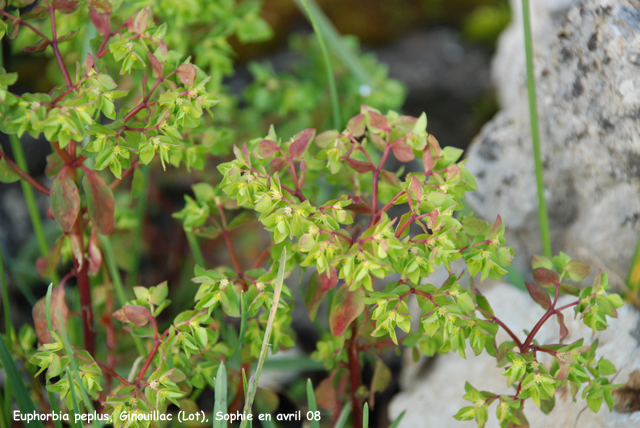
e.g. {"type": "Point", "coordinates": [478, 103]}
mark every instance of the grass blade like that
{"type": "Point", "coordinates": [17, 387]}
{"type": "Point", "coordinates": [221, 397]}
{"type": "Point", "coordinates": [337, 121]}
{"type": "Point", "coordinates": [110, 259]}
{"type": "Point", "coordinates": [253, 383]}
{"type": "Point", "coordinates": [543, 216]}
{"type": "Point", "coordinates": [195, 248]}
{"type": "Point", "coordinates": [396, 423]}
{"type": "Point", "coordinates": [243, 323]}
{"type": "Point", "coordinates": [365, 416]}
{"type": "Point", "coordinates": [311, 400]}
{"type": "Point", "coordinates": [344, 416]}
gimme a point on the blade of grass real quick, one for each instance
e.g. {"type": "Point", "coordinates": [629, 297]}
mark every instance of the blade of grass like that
{"type": "Point", "coordinates": [633, 279]}
{"type": "Point", "coordinates": [30, 200]}
{"type": "Point", "coordinates": [110, 259]}
{"type": "Point", "coordinates": [334, 40]}
{"type": "Point", "coordinates": [344, 416]}
{"type": "Point", "coordinates": [221, 397]}
{"type": "Point", "coordinates": [18, 389]}
{"type": "Point", "coordinates": [365, 416]}
{"type": "Point", "coordinates": [141, 210]}
{"type": "Point", "coordinates": [543, 216]}
{"type": "Point", "coordinates": [253, 383]}
{"type": "Point", "coordinates": [327, 63]}
{"type": "Point", "coordinates": [396, 423]}
{"type": "Point", "coordinates": [55, 409]}
{"type": "Point", "coordinates": [243, 323]}
{"type": "Point", "coordinates": [311, 400]}
{"type": "Point", "coordinates": [195, 248]}
{"type": "Point", "coordinates": [8, 327]}
{"type": "Point", "coordinates": [76, 408]}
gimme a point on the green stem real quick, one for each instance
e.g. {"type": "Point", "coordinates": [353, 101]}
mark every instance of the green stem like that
{"type": "Point", "coordinates": [5, 301]}
{"type": "Point", "coordinates": [327, 63]}
{"type": "Point", "coordinates": [195, 248]}
{"type": "Point", "coordinates": [535, 133]}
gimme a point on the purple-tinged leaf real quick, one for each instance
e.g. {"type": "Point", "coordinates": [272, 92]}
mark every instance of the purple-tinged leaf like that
{"type": "Point", "coordinates": [102, 6]}
{"type": "Point", "coordinates": [300, 143]}
{"type": "Point", "coordinates": [402, 151]}
{"type": "Point", "coordinates": [563, 372]}
{"type": "Point", "coordinates": [67, 36]}
{"type": "Point", "coordinates": [319, 285]}
{"type": "Point", "coordinates": [278, 164]}
{"type": "Point", "coordinates": [538, 261]}
{"type": "Point", "coordinates": [100, 201]}
{"type": "Point", "coordinates": [346, 307]}
{"type": "Point", "coordinates": [186, 74]}
{"type": "Point", "coordinates": [578, 270]}
{"type": "Point", "coordinates": [65, 6]}
{"type": "Point", "coordinates": [538, 294]}
{"type": "Point", "coordinates": [156, 66]}
{"type": "Point", "coordinates": [546, 277]}
{"type": "Point", "coordinates": [137, 315]}
{"type": "Point", "coordinates": [390, 178]}
{"type": "Point", "coordinates": [564, 331]}
{"type": "Point", "coordinates": [377, 121]}
{"type": "Point", "coordinates": [38, 46]}
{"type": "Point", "coordinates": [58, 309]}
{"type": "Point", "coordinates": [36, 12]}
{"type": "Point", "coordinates": [101, 20]}
{"type": "Point", "coordinates": [65, 200]}
{"type": "Point", "coordinates": [434, 145]}
{"type": "Point", "coordinates": [427, 160]}
{"type": "Point", "coordinates": [360, 166]}
{"type": "Point", "coordinates": [267, 148]}
{"type": "Point", "coordinates": [416, 189]}
{"type": "Point", "coordinates": [495, 228]}
{"type": "Point", "coordinates": [45, 266]}
{"type": "Point", "coordinates": [95, 255]}
{"type": "Point", "coordinates": [141, 22]}
{"type": "Point", "coordinates": [356, 125]}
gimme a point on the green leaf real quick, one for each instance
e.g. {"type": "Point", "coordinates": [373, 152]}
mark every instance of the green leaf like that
{"type": "Point", "coordinates": [546, 277]}
{"type": "Point", "coordinates": [100, 201]}
{"type": "Point", "coordinates": [346, 307]}
{"type": "Point", "coordinates": [311, 400]}
{"type": "Point", "coordinates": [578, 270]}
{"type": "Point", "coordinates": [6, 173]}
{"type": "Point", "coordinates": [138, 183]}
{"type": "Point", "coordinates": [221, 396]}
{"type": "Point", "coordinates": [65, 200]}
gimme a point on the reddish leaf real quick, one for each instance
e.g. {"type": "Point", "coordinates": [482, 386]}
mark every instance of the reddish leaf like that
{"type": "Point", "coordinates": [59, 312]}
{"type": "Point", "coordinates": [102, 21]}
{"type": "Point", "coordinates": [156, 66]}
{"type": "Point", "coordinates": [380, 380]}
{"type": "Point", "coordinates": [453, 170]}
{"type": "Point", "coordinates": [427, 160]}
{"type": "Point", "coordinates": [416, 188]}
{"type": "Point", "coordinates": [65, 6]}
{"type": "Point", "coordinates": [141, 22]}
{"type": "Point", "coordinates": [15, 28]}
{"type": "Point", "coordinates": [137, 315]}
{"type": "Point", "coordinates": [267, 148]}
{"type": "Point", "coordinates": [99, 201]}
{"type": "Point", "coordinates": [578, 270]}
{"type": "Point", "coordinates": [359, 205]}
{"type": "Point", "coordinates": [38, 46]}
{"type": "Point", "coordinates": [545, 277]}
{"type": "Point", "coordinates": [538, 294]}
{"type": "Point", "coordinates": [390, 178]}
{"type": "Point", "coordinates": [67, 36]}
{"type": "Point", "coordinates": [54, 164]}
{"type": "Point", "coordinates": [186, 74]}
{"type": "Point", "coordinates": [563, 372]}
{"type": "Point", "coordinates": [89, 63]}
{"type": "Point", "coordinates": [564, 331]}
{"type": "Point", "coordinates": [95, 256]}
{"type": "Point", "coordinates": [346, 307]}
{"type": "Point", "coordinates": [102, 6]}
{"type": "Point", "coordinates": [377, 121]}
{"type": "Point", "coordinates": [162, 50]}
{"type": "Point", "coordinates": [495, 228]}
{"type": "Point", "coordinates": [378, 142]}
{"type": "Point", "coordinates": [37, 12]}
{"type": "Point", "coordinates": [278, 164]}
{"type": "Point", "coordinates": [360, 166]}
{"type": "Point", "coordinates": [318, 286]}
{"type": "Point", "coordinates": [326, 395]}
{"type": "Point", "coordinates": [65, 200]}
{"type": "Point", "coordinates": [356, 125]}
{"type": "Point", "coordinates": [435, 146]}
{"type": "Point", "coordinates": [77, 249]}
{"type": "Point", "coordinates": [300, 143]}
{"type": "Point", "coordinates": [45, 266]}
{"type": "Point", "coordinates": [402, 151]}
{"type": "Point", "coordinates": [541, 261]}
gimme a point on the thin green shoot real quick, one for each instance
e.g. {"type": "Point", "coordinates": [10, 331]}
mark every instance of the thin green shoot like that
{"type": "Point", "coordinates": [221, 397]}
{"type": "Point", "coordinates": [344, 416]}
{"type": "Point", "coordinates": [311, 400]}
{"type": "Point", "coordinates": [253, 383]}
{"type": "Point", "coordinates": [396, 423]}
{"type": "Point", "coordinates": [545, 234]}
{"type": "Point", "coordinates": [365, 416]}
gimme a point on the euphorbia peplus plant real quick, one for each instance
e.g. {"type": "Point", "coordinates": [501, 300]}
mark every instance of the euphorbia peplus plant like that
{"type": "Point", "coordinates": [349, 240]}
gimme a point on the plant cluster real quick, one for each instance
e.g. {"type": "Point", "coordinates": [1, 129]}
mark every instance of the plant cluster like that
{"type": "Point", "coordinates": [330, 205]}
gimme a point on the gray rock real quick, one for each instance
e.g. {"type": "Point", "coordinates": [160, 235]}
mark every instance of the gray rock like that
{"type": "Point", "coordinates": [433, 398]}
{"type": "Point", "coordinates": [588, 80]}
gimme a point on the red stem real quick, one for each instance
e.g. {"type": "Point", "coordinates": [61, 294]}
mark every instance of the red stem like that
{"type": "Point", "coordinates": [550, 312]}
{"type": "Point", "coordinates": [22, 174]}
{"type": "Point", "coordinates": [54, 46]}
{"type": "Point", "coordinates": [25, 23]}
{"type": "Point", "coordinates": [84, 288]}
{"type": "Point", "coordinates": [501, 324]}
{"type": "Point", "coordinates": [262, 257]}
